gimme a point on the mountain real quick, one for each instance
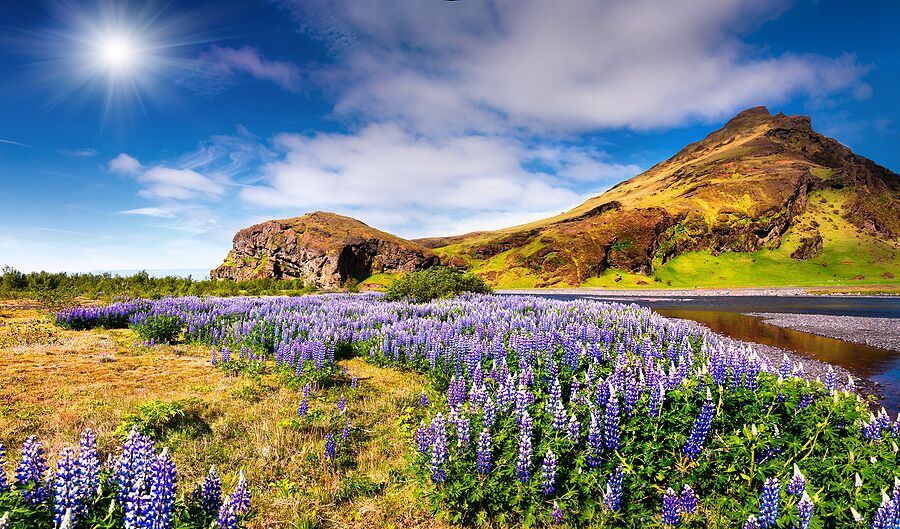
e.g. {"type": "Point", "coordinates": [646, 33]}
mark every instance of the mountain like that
{"type": "Point", "coordinates": [320, 248]}
{"type": "Point", "coordinates": [765, 200]}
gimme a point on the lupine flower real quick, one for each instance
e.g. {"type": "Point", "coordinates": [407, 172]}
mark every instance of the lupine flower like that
{"type": "Point", "coordinates": [830, 381]}
{"type": "Point", "coordinates": [4, 520]}
{"type": "Point", "coordinates": [342, 404]}
{"type": "Point", "coordinates": [556, 513]}
{"type": "Point", "coordinates": [227, 517]}
{"type": "Point", "coordinates": [31, 472]}
{"type": "Point", "coordinates": [612, 499]}
{"type": "Point", "coordinates": [886, 515]}
{"type": "Point", "coordinates": [595, 442]}
{"type": "Point", "coordinates": [462, 433]}
{"type": "Point", "coordinates": [769, 503]}
{"type": "Point", "coordinates": [670, 508]}
{"type": "Point", "coordinates": [133, 464]}
{"type": "Point", "coordinates": [489, 414]}
{"type": "Point", "coordinates": [483, 463]}
{"type": "Point", "coordinates": [66, 488]}
{"type": "Point", "coordinates": [548, 473]}
{"type": "Point", "coordinates": [439, 449]}
{"type": "Point", "coordinates": [88, 467]}
{"type": "Point", "coordinates": [611, 423]}
{"type": "Point", "coordinates": [804, 511]}
{"type": "Point", "coordinates": [209, 493]}
{"type": "Point", "coordinates": [423, 400]}
{"type": "Point", "coordinates": [424, 438]}
{"type": "Point", "coordinates": [162, 492]}
{"type": "Point", "coordinates": [4, 485]}
{"type": "Point", "coordinates": [137, 506]}
{"type": "Point", "coordinates": [657, 396]}
{"type": "Point", "coordinates": [345, 431]}
{"type": "Point", "coordinates": [354, 382]}
{"type": "Point", "coordinates": [797, 485]}
{"type": "Point", "coordinates": [523, 459]}
{"type": "Point", "coordinates": [573, 430]}
{"type": "Point", "coordinates": [330, 446]}
{"type": "Point", "coordinates": [241, 496]}
{"type": "Point", "coordinates": [695, 441]}
{"type": "Point", "coordinates": [751, 523]}
{"type": "Point", "coordinates": [688, 500]}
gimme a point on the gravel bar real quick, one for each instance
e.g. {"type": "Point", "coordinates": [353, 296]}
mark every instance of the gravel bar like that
{"type": "Point", "coordinates": [875, 332]}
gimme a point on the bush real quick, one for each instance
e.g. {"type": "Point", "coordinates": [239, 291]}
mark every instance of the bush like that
{"type": "Point", "coordinates": [157, 328]}
{"type": "Point", "coordinates": [433, 283]}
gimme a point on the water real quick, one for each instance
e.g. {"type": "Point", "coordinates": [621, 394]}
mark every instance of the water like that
{"type": "Point", "coordinates": [726, 315]}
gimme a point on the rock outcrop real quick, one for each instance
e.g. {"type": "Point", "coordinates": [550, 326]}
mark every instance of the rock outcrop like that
{"type": "Point", "coordinates": [322, 249]}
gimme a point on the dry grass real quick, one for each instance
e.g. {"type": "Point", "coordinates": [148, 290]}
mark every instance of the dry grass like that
{"type": "Point", "coordinates": [55, 382]}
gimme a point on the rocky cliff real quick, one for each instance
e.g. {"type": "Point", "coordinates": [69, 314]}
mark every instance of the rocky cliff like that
{"type": "Point", "coordinates": [323, 249]}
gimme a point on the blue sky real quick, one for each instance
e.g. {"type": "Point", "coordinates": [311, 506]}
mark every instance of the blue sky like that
{"type": "Point", "coordinates": [143, 135]}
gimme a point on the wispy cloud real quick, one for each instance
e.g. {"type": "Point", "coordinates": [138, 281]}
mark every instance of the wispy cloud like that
{"type": "Point", "coordinates": [161, 213]}
{"type": "Point", "coordinates": [161, 182]}
{"type": "Point", "coordinates": [220, 65]}
{"type": "Point", "coordinates": [78, 153]}
{"type": "Point", "coordinates": [11, 142]}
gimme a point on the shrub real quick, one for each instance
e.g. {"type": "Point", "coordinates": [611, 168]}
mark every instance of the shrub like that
{"type": "Point", "coordinates": [433, 283]}
{"type": "Point", "coordinates": [157, 328]}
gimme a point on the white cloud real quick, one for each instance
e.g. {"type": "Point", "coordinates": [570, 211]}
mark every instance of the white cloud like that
{"type": "Point", "coordinates": [561, 66]}
{"type": "Point", "coordinates": [162, 182]}
{"type": "Point", "coordinates": [149, 212]}
{"type": "Point", "coordinates": [78, 153]}
{"type": "Point", "coordinates": [123, 163]}
{"type": "Point", "coordinates": [222, 64]}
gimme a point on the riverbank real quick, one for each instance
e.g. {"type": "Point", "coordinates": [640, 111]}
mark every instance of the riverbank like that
{"type": "Point", "coordinates": [876, 332]}
{"type": "Point", "coordinates": [843, 291]}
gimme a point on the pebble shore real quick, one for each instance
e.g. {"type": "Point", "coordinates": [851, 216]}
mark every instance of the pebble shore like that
{"type": "Point", "coordinates": [875, 332]}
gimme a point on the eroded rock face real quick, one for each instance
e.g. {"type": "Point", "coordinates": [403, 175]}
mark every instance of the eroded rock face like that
{"type": "Point", "coordinates": [322, 249]}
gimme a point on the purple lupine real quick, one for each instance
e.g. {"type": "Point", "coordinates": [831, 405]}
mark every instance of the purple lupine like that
{"type": "Point", "coordinates": [548, 473]}
{"type": "Point", "coordinates": [209, 493]}
{"type": "Point", "coordinates": [330, 446]}
{"type": "Point", "coordinates": [769, 503]}
{"type": "Point", "coordinates": [423, 400]}
{"type": "Point", "coordinates": [242, 495]}
{"type": "Point", "coordinates": [162, 492]}
{"type": "Point", "coordinates": [559, 416]}
{"type": "Point", "coordinates": [670, 508]}
{"type": "Point", "coordinates": [830, 381]}
{"type": "Point", "coordinates": [612, 498]}
{"type": "Point", "coordinates": [695, 441]}
{"type": "Point", "coordinates": [439, 449]}
{"type": "Point", "coordinates": [462, 433]}
{"type": "Point", "coordinates": [595, 442]}
{"type": "Point", "coordinates": [88, 467]}
{"type": "Point", "coordinates": [303, 409]}
{"type": "Point", "coordinates": [4, 485]}
{"type": "Point", "coordinates": [483, 463]}
{"type": "Point", "coordinates": [556, 513]}
{"type": "Point", "coordinates": [657, 396]}
{"type": "Point", "coordinates": [342, 404]}
{"type": "Point", "coordinates": [226, 518]}
{"type": "Point", "coordinates": [137, 506]}
{"type": "Point", "coordinates": [65, 487]}
{"type": "Point", "coordinates": [611, 423]}
{"type": "Point", "coordinates": [354, 382]}
{"type": "Point", "coordinates": [523, 458]}
{"type": "Point", "coordinates": [133, 464]}
{"type": "Point", "coordinates": [345, 431]}
{"type": "Point", "coordinates": [797, 485]}
{"type": "Point", "coordinates": [573, 430]}
{"type": "Point", "coordinates": [424, 438]}
{"type": "Point", "coordinates": [688, 500]}
{"type": "Point", "coordinates": [751, 522]}
{"type": "Point", "coordinates": [886, 515]}
{"type": "Point", "coordinates": [804, 511]}
{"type": "Point", "coordinates": [31, 471]}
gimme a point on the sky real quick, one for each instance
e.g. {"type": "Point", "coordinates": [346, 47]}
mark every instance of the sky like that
{"type": "Point", "coordinates": [143, 135]}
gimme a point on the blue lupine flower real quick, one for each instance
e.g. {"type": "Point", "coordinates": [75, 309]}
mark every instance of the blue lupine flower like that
{"type": "Point", "coordinates": [489, 414]}
{"type": "Point", "coordinates": [462, 433]}
{"type": "Point", "coordinates": [345, 431]}
{"type": "Point", "coordinates": [556, 513]}
{"type": "Point", "coordinates": [483, 463]}
{"type": "Point", "coordinates": [330, 446]}
{"type": "Point", "coordinates": [88, 467]}
{"type": "Point", "coordinates": [769, 503]}
{"type": "Point", "coordinates": [657, 396]}
{"type": "Point", "coordinates": [595, 442]}
{"type": "Point", "coordinates": [830, 381]}
{"type": "Point", "coordinates": [209, 493]}
{"type": "Point", "coordinates": [162, 492]}
{"type": "Point", "coordinates": [342, 403]}
{"type": "Point", "coordinates": [804, 511]}
{"type": "Point", "coordinates": [31, 471]}
{"type": "Point", "coordinates": [559, 416]}
{"type": "Point", "coordinates": [670, 508]}
{"type": "Point", "coordinates": [886, 515]}
{"type": "Point", "coordinates": [688, 500]}
{"type": "Point", "coordinates": [242, 495]}
{"type": "Point", "coordinates": [4, 485]}
{"type": "Point", "coordinates": [573, 430]}
{"type": "Point", "coordinates": [133, 464]}
{"type": "Point", "coordinates": [797, 485]}
{"type": "Point", "coordinates": [694, 444]}
{"type": "Point", "coordinates": [611, 423]}
{"type": "Point", "coordinates": [424, 438]}
{"type": "Point", "coordinates": [751, 523]}
{"type": "Point", "coordinates": [439, 453]}
{"type": "Point", "coordinates": [227, 516]}
{"type": "Point", "coordinates": [137, 506]}
{"type": "Point", "coordinates": [66, 487]}
{"type": "Point", "coordinates": [523, 459]}
{"type": "Point", "coordinates": [612, 499]}
{"type": "Point", "coordinates": [548, 473]}
{"type": "Point", "coordinates": [423, 400]}
{"type": "Point", "coordinates": [354, 383]}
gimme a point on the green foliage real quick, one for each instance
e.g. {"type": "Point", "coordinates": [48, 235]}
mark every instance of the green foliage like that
{"type": "Point", "coordinates": [432, 283]}
{"type": "Point", "coordinates": [157, 418]}
{"type": "Point", "coordinates": [158, 328]}
{"type": "Point", "coordinates": [60, 290]}
{"type": "Point", "coordinates": [355, 486]}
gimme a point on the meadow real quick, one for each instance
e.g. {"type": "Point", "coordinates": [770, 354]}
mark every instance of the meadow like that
{"type": "Point", "coordinates": [500, 411]}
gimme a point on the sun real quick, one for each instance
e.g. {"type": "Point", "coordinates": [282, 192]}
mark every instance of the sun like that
{"type": "Point", "coordinates": [117, 53]}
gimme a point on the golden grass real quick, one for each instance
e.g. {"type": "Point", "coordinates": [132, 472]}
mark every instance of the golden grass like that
{"type": "Point", "coordinates": [54, 383]}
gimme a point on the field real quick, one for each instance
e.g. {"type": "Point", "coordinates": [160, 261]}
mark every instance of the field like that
{"type": "Point", "coordinates": [478, 411]}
